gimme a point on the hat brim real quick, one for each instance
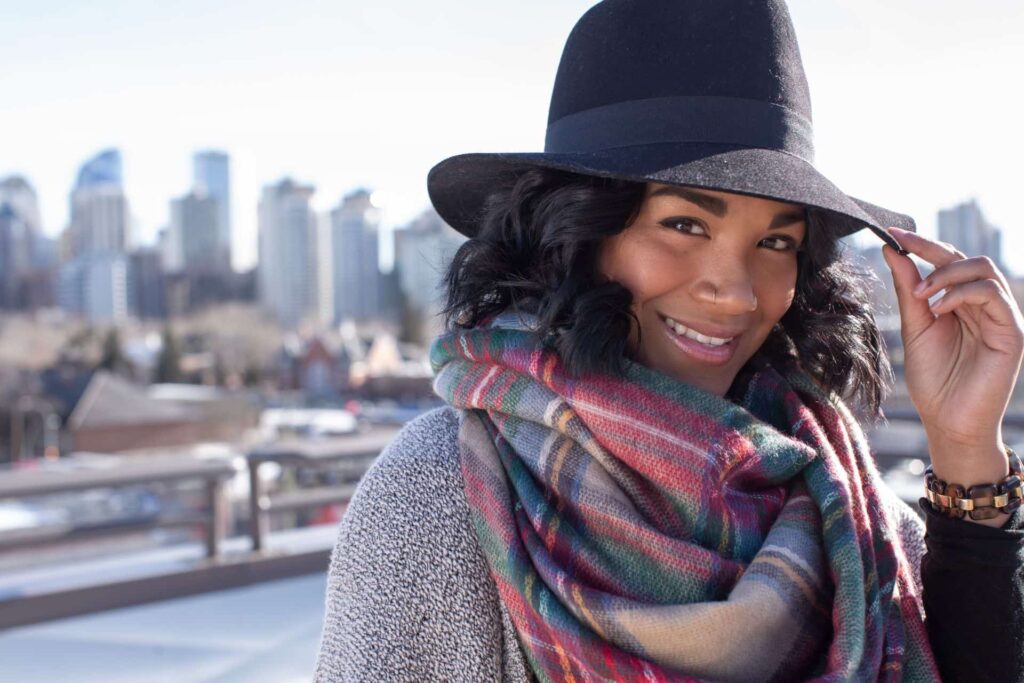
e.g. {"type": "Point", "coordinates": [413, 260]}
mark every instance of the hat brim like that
{"type": "Point", "coordinates": [459, 186]}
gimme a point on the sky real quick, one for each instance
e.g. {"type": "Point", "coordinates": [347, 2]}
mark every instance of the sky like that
{"type": "Point", "coordinates": [917, 103]}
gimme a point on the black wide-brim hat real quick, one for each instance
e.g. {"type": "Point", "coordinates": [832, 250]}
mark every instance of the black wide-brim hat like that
{"type": "Point", "coordinates": [704, 93]}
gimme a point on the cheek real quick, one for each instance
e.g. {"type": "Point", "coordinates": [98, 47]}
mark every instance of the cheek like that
{"type": "Point", "coordinates": [777, 293]}
{"type": "Point", "coordinates": [641, 265]}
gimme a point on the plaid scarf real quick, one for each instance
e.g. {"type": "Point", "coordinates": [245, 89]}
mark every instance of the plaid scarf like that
{"type": "Point", "coordinates": [640, 528]}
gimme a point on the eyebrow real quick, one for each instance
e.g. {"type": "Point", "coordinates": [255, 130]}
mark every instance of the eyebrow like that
{"type": "Point", "coordinates": [720, 207]}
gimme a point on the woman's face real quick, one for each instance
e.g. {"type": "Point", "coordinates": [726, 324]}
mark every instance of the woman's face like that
{"type": "Point", "coordinates": [710, 273]}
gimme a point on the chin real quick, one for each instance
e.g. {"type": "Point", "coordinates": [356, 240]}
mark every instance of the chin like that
{"type": "Point", "coordinates": [718, 383]}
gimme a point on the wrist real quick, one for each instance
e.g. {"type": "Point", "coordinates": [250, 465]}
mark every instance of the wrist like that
{"type": "Point", "coordinates": [984, 468]}
{"type": "Point", "coordinates": [977, 491]}
{"type": "Point", "coordinates": [968, 461]}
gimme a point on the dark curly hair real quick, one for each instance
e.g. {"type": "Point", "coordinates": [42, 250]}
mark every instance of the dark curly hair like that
{"type": "Point", "coordinates": [538, 241]}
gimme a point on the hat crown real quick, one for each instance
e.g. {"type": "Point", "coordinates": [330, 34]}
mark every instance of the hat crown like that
{"type": "Point", "coordinates": [703, 93]}
{"type": "Point", "coordinates": [634, 50]}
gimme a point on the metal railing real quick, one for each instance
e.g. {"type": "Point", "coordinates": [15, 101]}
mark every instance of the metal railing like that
{"type": "Point", "coordinates": [21, 484]}
{"type": "Point", "coordinates": [348, 457]}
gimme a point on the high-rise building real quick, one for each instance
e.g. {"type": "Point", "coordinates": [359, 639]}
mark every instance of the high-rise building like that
{"type": "Point", "coordinates": [287, 251]}
{"type": "Point", "coordinates": [193, 255]}
{"type": "Point", "coordinates": [352, 249]}
{"type": "Point", "coordinates": [103, 169]}
{"type": "Point", "coordinates": [99, 209]}
{"type": "Point", "coordinates": [211, 177]}
{"type": "Point", "coordinates": [95, 286]}
{"type": "Point", "coordinates": [168, 243]}
{"type": "Point", "coordinates": [194, 226]}
{"type": "Point", "coordinates": [146, 284]}
{"type": "Point", "coordinates": [423, 250]}
{"type": "Point", "coordinates": [27, 256]}
{"type": "Point", "coordinates": [13, 254]}
{"type": "Point", "coordinates": [44, 252]}
{"type": "Point", "coordinates": [93, 278]}
{"type": "Point", "coordinates": [19, 232]}
{"type": "Point", "coordinates": [964, 226]}
{"type": "Point", "coordinates": [17, 193]}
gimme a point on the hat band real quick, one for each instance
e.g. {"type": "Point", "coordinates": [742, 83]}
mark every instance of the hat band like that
{"type": "Point", "coordinates": [722, 120]}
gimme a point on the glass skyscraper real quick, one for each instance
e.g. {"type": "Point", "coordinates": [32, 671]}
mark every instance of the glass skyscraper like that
{"type": "Point", "coordinates": [93, 277]}
{"type": "Point", "coordinates": [102, 169]}
{"type": "Point", "coordinates": [211, 176]}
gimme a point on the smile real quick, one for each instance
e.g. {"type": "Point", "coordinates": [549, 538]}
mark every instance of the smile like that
{"type": "Point", "coordinates": [708, 349]}
{"type": "Point", "coordinates": [685, 331]}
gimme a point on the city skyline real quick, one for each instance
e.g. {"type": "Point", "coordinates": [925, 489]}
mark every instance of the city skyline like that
{"type": "Point", "coordinates": [311, 269]}
{"type": "Point", "coordinates": [910, 114]}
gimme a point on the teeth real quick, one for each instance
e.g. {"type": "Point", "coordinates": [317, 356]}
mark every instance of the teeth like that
{"type": "Point", "coordinates": [684, 331]}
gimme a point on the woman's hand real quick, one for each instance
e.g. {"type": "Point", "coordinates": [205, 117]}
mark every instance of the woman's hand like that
{"type": "Point", "coordinates": [961, 355]}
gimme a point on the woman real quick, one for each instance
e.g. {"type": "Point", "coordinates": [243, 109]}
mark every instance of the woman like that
{"type": "Point", "coordinates": [646, 472]}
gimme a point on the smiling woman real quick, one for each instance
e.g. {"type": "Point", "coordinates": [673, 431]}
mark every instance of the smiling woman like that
{"type": "Point", "coordinates": [647, 470]}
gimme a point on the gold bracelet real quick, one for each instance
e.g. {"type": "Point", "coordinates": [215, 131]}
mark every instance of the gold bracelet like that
{"type": "Point", "coordinates": [983, 501]}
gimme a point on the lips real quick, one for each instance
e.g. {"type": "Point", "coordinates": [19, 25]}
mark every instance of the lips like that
{"type": "Point", "coordinates": [704, 330]}
{"type": "Point", "coordinates": [717, 352]}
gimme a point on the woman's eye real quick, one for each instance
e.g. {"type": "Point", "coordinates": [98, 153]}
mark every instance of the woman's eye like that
{"type": "Point", "coordinates": [780, 243]}
{"type": "Point", "coordinates": [685, 225]}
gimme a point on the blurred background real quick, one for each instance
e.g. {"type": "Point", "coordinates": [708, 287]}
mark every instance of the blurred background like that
{"type": "Point", "coordinates": [219, 278]}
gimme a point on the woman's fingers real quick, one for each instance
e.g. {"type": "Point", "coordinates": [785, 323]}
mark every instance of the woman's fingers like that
{"type": "Point", "coordinates": [972, 281]}
{"type": "Point", "coordinates": [987, 293]}
{"type": "Point", "coordinates": [992, 299]}
{"type": "Point", "coordinates": [914, 312]}
{"type": "Point", "coordinates": [958, 272]}
{"type": "Point", "coordinates": [936, 253]}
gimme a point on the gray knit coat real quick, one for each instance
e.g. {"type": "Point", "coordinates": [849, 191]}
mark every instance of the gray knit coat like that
{"type": "Point", "coordinates": [409, 593]}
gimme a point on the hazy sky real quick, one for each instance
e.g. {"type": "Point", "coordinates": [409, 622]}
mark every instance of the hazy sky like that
{"type": "Point", "coordinates": [917, 103]}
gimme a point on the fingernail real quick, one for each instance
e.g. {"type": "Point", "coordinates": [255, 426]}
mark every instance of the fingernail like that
{"type": "Point", "coordinates": [898, 248]}
{"type": "Point", "coordinates": [921, 286]}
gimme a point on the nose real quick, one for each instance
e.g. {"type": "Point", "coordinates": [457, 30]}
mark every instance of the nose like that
{"type": "Point", "coordinates": [726, 291]}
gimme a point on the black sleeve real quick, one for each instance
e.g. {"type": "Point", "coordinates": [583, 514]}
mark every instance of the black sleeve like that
{"type": "Point", "coordinates": [974, 598]}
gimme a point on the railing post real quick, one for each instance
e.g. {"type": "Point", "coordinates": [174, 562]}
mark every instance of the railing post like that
{"type": "Point", "coordinates": [216, 524]}
{"type": "Point", "coordinates": [258, 526]}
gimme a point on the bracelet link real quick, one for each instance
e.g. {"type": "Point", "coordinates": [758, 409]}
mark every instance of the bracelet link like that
{"type": "Point", "coordinates": [983, 501]}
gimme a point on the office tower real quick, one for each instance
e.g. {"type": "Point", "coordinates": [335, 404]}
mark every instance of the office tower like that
{"type": "Point", "coordinates": [93, 278]}
{"type": "Point", "coordinates": [194, 226]}
{"type": "Point", "coordinates": [19, 234]}
{"type": "Point", "coordinates": [27, 256]}
{"type": "Point", "coordinates": [13, 233]}
{"type": "Point", "coordinates": [99, 209]}
{"type": "Point", "coordinates": [354, 281]}
{"type": "Point", "coordinates": [287, 257]}
{"type": "Point", "coordinates": [17, 193]}
{"type": "Point", "coordinates": [168, 243]}
{"type": "Point", "coordinates": [146, 290]}
{"type": "Point", "coordinates": [95, 287]}
{"type": "Point", "coordinates": [964, 226]}
{"type": "Point", "coordinates": [44, 252]}
{"type": "Point", "coordinates": [211, 177]}
{"type": "Point", "coordinates": [20, 227]}
{"type": "Point", "coordinates": [423, 250]}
